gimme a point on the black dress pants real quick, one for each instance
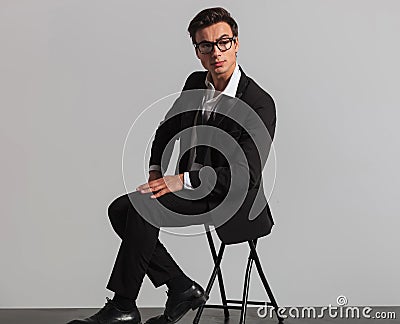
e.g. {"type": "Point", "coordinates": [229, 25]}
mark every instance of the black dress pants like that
{"type": "Point", "coordinates": [137, 219]}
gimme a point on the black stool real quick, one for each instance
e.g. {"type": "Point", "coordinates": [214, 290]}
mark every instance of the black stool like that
{"type": "Point", "coordinates": [253, 256]}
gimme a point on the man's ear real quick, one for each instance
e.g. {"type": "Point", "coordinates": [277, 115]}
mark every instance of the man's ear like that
{"type": "Point", "coordinates": [197, 53]}
{"type": "Point", "coordinates": [237, 45]}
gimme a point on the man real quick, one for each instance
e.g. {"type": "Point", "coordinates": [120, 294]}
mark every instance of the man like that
{"type": "Point", "coordinates": [231, 103]}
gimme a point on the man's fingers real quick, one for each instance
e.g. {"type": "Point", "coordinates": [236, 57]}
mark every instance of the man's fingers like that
{"type": "Point", "coordinates": [142, 187]}
{"type": "Point", "coordinates": [146, 185]}
{"type": "Point", "coordinates": [162, 185]}
{"type": "Point", "coordinates": [152, 185]}
{"type": "Point", "coordinates": [156, 182]}
{"type": "Point", "coordinates": [151, 188]}
{"type": "Point", "coordinates": [160, 193]}
{"type": "Point", "coordinates": [146, 190]}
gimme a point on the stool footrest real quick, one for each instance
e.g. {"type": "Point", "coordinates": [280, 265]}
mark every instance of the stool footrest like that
{"type": "Point", "coordinates": [235, 301]}
{"type": "Point", "coordinates": [231, 301]}
{"type": "Point", "coordinates": [222, 306]}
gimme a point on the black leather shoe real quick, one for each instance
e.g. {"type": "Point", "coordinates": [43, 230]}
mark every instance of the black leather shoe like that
{"type": "Point", "coordinates": [178, 304]}
{"type": "Point", "coordinates": [111, 314]}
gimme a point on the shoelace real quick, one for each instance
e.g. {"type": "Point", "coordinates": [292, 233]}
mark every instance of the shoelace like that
{"type": "Point", "coordinates": [108, 303]}
{"type": "Point", "coordinates": [171, 292]}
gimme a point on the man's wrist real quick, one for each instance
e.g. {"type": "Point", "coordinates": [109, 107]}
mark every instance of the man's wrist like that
{"type": "Point", "coordinates": [154, 171]}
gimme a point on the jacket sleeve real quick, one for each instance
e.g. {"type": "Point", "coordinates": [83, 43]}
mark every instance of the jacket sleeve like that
{"type": "Point", "coordinates": [165, 137]}
{"type": "Point", "coordinates": [167, 132]}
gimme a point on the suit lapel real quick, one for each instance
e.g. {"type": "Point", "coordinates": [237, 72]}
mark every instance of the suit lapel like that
{"type": "Point", "coordinates": [227, 103]}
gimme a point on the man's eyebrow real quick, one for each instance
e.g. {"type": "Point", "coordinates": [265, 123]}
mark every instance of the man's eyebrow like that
{"type": "Point", "coordinates": [219, 38]}
{"type": "Point", "coordinates": [224, 35]}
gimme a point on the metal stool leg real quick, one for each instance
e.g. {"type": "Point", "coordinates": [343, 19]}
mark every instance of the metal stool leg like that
{"type": "Point", "coordinates": [264, 280]}
{"type": "Point", "coordinates": [246, 289]}
{"type": "Point", "coordinates": [220, 279]}
{"type": "Point", "coordinates": [211, 281]}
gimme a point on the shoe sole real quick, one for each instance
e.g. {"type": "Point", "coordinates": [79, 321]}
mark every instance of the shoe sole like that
{"type": "Point", "coordinates": [192, 305]}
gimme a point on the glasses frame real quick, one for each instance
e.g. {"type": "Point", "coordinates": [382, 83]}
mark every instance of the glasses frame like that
{"type": "Point", "coordinates": [231, 39]}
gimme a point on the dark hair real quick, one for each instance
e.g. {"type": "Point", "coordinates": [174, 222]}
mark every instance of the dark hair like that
{"type": "Point", "coordinates": [211, 16]}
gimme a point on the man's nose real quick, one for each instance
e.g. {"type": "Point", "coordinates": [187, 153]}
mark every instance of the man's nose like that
{"type": "Point", "coordinates": [216, 51]}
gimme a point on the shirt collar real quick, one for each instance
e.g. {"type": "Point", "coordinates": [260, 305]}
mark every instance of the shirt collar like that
{"type": "Point", "coordinates": [232, 86]}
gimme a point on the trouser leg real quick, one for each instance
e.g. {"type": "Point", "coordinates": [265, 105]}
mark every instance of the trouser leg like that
{"type": "Point", "coordinates": [141, 252]}
{"type": "Point", "coordinates": [162, 266]}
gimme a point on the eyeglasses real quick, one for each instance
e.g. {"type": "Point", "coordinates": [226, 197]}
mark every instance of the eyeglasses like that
{"type": "Point", "coordinates": [223, 45]}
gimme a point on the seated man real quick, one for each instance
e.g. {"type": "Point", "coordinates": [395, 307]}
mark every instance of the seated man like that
{"type": "Point", "coordinates": [241, 117]}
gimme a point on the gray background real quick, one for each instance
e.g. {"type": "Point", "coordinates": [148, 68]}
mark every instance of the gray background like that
{"type": "Point", "coordinates": [76, 74]}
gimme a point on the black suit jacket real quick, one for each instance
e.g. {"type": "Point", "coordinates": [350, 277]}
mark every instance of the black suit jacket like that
{"type": "Point", "coordinates": [236, 142]}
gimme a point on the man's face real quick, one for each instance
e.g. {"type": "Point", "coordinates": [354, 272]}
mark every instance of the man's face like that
{"type": "Point", "coordinates": [217, 62]}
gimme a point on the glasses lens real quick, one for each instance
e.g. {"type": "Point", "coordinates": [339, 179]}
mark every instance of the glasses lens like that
{"type": "Point", "coordinates": [224, 44]}
{"type": "Point", "coordinates": [205, 48]}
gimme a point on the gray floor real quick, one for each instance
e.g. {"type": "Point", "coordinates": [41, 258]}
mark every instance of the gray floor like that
{"type": "Point", "coordinates": [212, 316]}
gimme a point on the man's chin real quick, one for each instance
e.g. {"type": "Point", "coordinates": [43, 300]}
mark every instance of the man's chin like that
{"type": "Point", "coordinates": [219, 69]}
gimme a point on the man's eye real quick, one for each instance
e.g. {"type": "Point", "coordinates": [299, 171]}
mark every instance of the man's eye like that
{"type": "Point", "coordinates": [224, 42]}
{"type": "Point", "coordinates": [206, 45]}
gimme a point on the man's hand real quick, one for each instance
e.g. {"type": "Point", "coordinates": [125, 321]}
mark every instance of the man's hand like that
{"type": "Point", "coordinates": [162, 185]}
